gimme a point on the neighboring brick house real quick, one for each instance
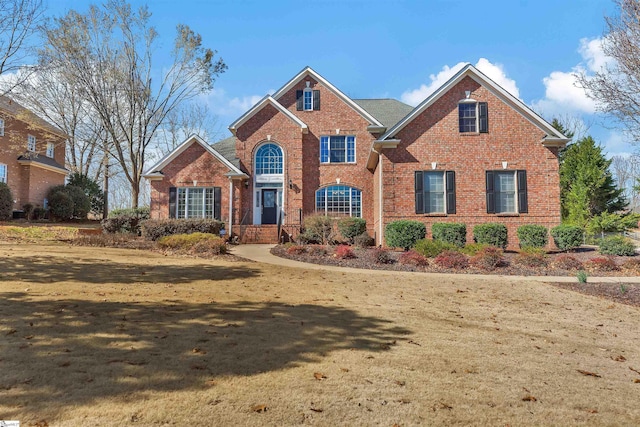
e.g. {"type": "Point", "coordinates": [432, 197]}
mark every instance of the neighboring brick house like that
{"type": "Point", "coordinates": [32, 153]}
{"type": "Point", "coordinates": [469, 153]}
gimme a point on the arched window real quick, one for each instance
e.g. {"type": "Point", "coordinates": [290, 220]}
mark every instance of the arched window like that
{"type": "Point", "coordinates": [269, 160]}
{"type": "Point", "coordinates": [339, 200]}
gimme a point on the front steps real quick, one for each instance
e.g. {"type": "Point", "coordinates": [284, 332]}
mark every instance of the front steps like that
{"type": "Point", "coordinates": [259, 234]}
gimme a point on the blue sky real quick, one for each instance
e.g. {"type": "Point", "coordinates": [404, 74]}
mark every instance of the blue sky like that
{"type": "Point", "coordinates": [396, 49]}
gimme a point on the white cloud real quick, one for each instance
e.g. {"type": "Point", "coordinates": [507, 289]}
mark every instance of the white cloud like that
{"type": "Point", "coordinates": [494, 71]}
{"type": "Point", "coordinates": [592, 52]}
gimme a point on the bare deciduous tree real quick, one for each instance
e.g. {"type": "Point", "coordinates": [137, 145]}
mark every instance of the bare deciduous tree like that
{"type": "Point", "coordinates": [626, 170]}
{"type": "Point", "coordinates": [108, 54]}
{"type": "Point", "coordinates": [189, 119]}
{"type": "Point", "coordinates": [18, 22]}
{"type": "Point", "coordinates": [616, 86]}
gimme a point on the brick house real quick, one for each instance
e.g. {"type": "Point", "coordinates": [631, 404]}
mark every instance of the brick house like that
{"type": "Point", "coordinates": [32, 154]}
{"type": "Point", "coordinates": [469, 153]}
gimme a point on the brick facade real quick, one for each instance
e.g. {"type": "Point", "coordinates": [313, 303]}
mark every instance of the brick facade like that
{"type": "Point", "coordinates": [515, 138]}
{"type": "Point", "coordinates": [29, 183]}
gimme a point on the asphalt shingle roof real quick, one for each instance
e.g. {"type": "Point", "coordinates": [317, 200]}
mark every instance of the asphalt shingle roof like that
{"type": "Point", "coordinates": [387, 111]}
{"type": "Point", "coordinates": [227, 149]}
{"type": "Point", "coordinates": [48, 161]}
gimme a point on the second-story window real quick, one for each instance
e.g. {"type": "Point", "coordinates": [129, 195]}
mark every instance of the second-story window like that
{"type": "Point", "coordinates": [338, 149]}
{"type": "Point", "coordinates": [50, 149]}
{"type": "Point", "coordinates": [1, 127]}
{"type": "Point", "coordinates": [31, 143]}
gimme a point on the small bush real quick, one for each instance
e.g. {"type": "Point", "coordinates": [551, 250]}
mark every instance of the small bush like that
{"type": "Point", "coordinates": [488, 259]}
{"type": "Point", "coordinates": [382, 256]}
{"type": "Point", "coordinates": [153, 229]}
{"type": "Point", "coordinates": [350, 227]}
{"type": "Point", "coordinates": [28, 208]}
{"type": "Point", "coordinates": [532, 257]}
{"type": "Point", "coordinates": [432, 248]}
{"type": "Point", "coordinates": [363, 240]}
{"type": "Point", "coordinates": [194, 243]}
{"type": "Point", "coordinates": [617, 245]}
{"type": "Point", "coordinates": [404, 233]}
{"type": "Point", "coordinates": [318, 229]}
{"type": "Point", "coordinates": [142, 212]}
{"type": "Point", "coordinates": [566, 262]}
{"type": "Point", "coordinates": [81, 202]}
{"type": "Point", "coordinates": [316, 250]}
{"type": "Point", "coordinates": [121, 224]}
{"type": "Point", "coordinates": [582, 276]}
{"type": "Point", "coordinates": [533, 236]}
{"type": "Point", "coordinates": [39, 213]}
{"type": "Point", "coordinates": [491, 234]}
{"type": "Point", "coordinates": [60, 205]}
{"type": "Point", "coordinates": [344, 252]}
{"type": "Point", "coordinates": [6, 202]}
{"type": "Point", "coordinates": [296, 250]}
{"type": "Point", "coordinates": [412, 257]}
{"type": "Point", "coordinates": [602, 264]}
{"type": "Point", "coordinates": [567, 237]}
{"type": "Point", "coordinates": [473, 248]}
{"type": "Point", "coordinates": [452, 259]}
{"type": "Point", "coordinates": [453, 233]}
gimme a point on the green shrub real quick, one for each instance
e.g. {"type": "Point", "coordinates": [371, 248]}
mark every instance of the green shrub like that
{"type": "Point", "coordinates": [196, 243]}
{"type": "Point", "coordinates": [126, 220]}
{"type": "Point", "coordinates": [318, 229]}
{"type": "Point", "coordinates": [617, 245]}
{"type": "Point", "coordinates": [76, 204]}
{"type": "Point", "coordinates": [453, 233]}
{"type": "Point", "coordinates": [488, 259]}
{"type": "Point", "coordinates": [452, 259]}
{"type": "Point", "coordinates": [582, 276]}
{"type": "Point", "coordinates": [81, 202]}
{"type": "Point", "coordinates": [491, 234]}
{"type": "Point", "coordinates": [567, 237]}
{"type": "Point", "coordinates": [60, 205]}
{"type": "Point", "coordinates": [533, 236]}
{"type": "Point", "coordinates": [350, 227]}
{"type": "Point", "coordinates": [364, 240]}
{"type": "Point", "coordinates": [39, 212]}
{"type": "Point", "coordinates": [412, 257]}
{"type": "Point", "coordinates": [432, 248]}
{"type": "Point", "coordinates": [404, 233]}
{"type": "Point", "coordinates": [473, 248]}
{"type": "Point", "coordinates": [6, 202]}
{"type": "Point", "coordinates": [153, 229]}
{"type": "Point", "coordinates": [142, 212]}
{"type": "Point", "coordinates": [91, 189]}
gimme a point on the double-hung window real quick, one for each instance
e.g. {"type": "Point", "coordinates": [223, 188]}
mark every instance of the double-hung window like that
{"type": "Point", "coordinates": [435, 192]}
{"type": "Point", "coordinates": [195, 202]}
{"type": "Point", "coordinates": [1, 127]}
{"type": "Point", "coordinates": [507, 192]}
{"type": "Point", "coordinates": [3, 173]}
{"type": "Point", "coordinates": [31, 143]}
{"type": "Point", "coordinates": [339, 200]}
{"type": "Point", "coordinates": [307, 99]}
{"type": "Point", "coordinates": [50, 149]}
{"type": "Point", "coordinates": [337, 149]}
{"type": "Point", "coordinates": [473, 117]}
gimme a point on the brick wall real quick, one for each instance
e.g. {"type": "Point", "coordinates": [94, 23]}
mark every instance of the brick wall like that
{"type": "Point", "coordinates": [434, 137]}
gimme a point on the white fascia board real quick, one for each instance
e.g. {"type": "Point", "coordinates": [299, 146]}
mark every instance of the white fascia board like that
{"type": "Point", "coordinates": [268, 99]}
{"type": "Point", "coordinates": [181, 148]}
{"type": "Point", "coordinates": [472, 72]}
{"type": "Point", "coordinates": [29, 162]}
{"type": "Point", "coordinates": [308, 71]}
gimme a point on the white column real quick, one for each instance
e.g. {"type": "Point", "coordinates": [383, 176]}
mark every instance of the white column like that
{"type": "Point", "coordinates": [230, 207]}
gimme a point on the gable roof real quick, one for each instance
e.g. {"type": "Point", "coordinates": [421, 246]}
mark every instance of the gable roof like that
{"type": "Point", "coordinates": [16, 110]}
{"type": "Point", "coordinates": [267, 100]}
{"type": "Point", "coordinates": [469, 70]}
{"type": "Point", "coordinates": [388, 111]}
{"type": "Point", "coordinates": [308, 71]}
{"type": "Point", "coordinates": [156, 170]}
{"type": "Point", "coordinates": [227, 148]}
{"type": "Point", "coordinates": [43, 162]}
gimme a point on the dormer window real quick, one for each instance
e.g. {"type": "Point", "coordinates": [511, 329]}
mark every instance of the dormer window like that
{"type": "Point", "coordinates": [307, 99]}
{"type": "Point", "coordinates": [473, 116]}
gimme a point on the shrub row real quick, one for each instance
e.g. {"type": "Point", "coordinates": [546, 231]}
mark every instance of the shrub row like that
{"type": "Point", "coordinates": [194, 243]}
{"type": "Point", "coordinates": [126, 220]}
{"type": "Point", "coordinates": [154, 229]}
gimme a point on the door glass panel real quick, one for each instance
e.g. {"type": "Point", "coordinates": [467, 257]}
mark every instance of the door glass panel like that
{"type": "Point", "coordinates": [269, 200]}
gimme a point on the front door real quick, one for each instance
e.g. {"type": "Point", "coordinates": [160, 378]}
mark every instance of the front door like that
{"type": "Point", "coordinates": [269, 206]}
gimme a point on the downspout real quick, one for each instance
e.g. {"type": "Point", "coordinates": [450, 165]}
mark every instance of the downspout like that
{"type": "Point", "coordinates": [230, 230]}
{"type": "Point", "coordinates": [380, 228]}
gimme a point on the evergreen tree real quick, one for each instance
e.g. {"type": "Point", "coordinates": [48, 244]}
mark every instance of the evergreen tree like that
{"type": "Point", "coordinates": [587, 187]}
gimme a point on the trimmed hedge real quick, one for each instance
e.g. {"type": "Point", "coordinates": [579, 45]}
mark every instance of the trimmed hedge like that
{"type": "Point", "coordinates": [433, 248]}
{"type": "Point", "coordinates": [350, 227]}
{"type": "Point", "coordinates": [126, 220]}
{"type": "Point", "coordinates": [567, 237]}
{"type": "Point", "coordinates": [196, 243]}
{"type": "Point", "coordinates": [6, 202]}
{"type": "Point", "coordinates": [153, 229]}
{"type": "Point", "coordinates": [617, 245]}
{"type": "Point", "coordinates": [450, 232]}
{"type": "Point", "coordinates": [404, 233]}
{"type": "Point", "coordinates": [491, 234]}
{"type": "Point", "coordinates": [533, 236]}
{"type": "Point", "coordinates": [60, 205]}
{"type": "Point", "coordinates": [142, 212]}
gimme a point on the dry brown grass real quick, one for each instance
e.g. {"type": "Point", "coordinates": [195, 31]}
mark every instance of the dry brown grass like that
{"type": "Point", "coordinates": [99, 336]}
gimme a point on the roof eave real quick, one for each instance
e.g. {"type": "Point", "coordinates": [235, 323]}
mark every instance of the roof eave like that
{"type": "Point", "coordinates": [268, 99]}
{"type": "Point", "coordinates": [374, 154]}
{"type": "Point", "coordinates": [30, 162]}
{"type": "Point", "coordinates": [551, 142]}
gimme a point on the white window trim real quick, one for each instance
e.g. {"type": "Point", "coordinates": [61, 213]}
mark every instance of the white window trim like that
{"type": "Point", "coordinates": [31, 143]}
{"type": "Point", "coordinates": [325, 211]}
{"type": "Point", "coordinates": [346, 150]}
{"type": "Point", "coordinates": [444, 189]}
{"type": "Point", "coordinates": [185, 208]}
{"type": "Point", "coordinates": [515, 192]}
{"type": "Point", "coordinates": [51, 150]}
{"type": "Point", "coordinates": [306, 91]}
{"type": "Point", "coordinates": [477, 125]}
{"type": "Point", "coordinates": [5, 170]}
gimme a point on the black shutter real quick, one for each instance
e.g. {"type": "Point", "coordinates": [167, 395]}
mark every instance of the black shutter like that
{"type": "Point", "coordinates": [173, 193]}
{"type": "Point", "coordinates": [299, 100]}
{"type": "Point", "coordinates": [419, 192]}
{"type": "Point", "coordinates": [451, 191]}
{"type": "Point", "coordinates": [217, 205]}
{"type": "Point", "coordinates": [491, 199]}
{"type": "Point", "coordinates": [523, 203]}
{"type": "Point", "coordinates": [483, 117]}
{"type": "Point", "coordinates": [316, 99]}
